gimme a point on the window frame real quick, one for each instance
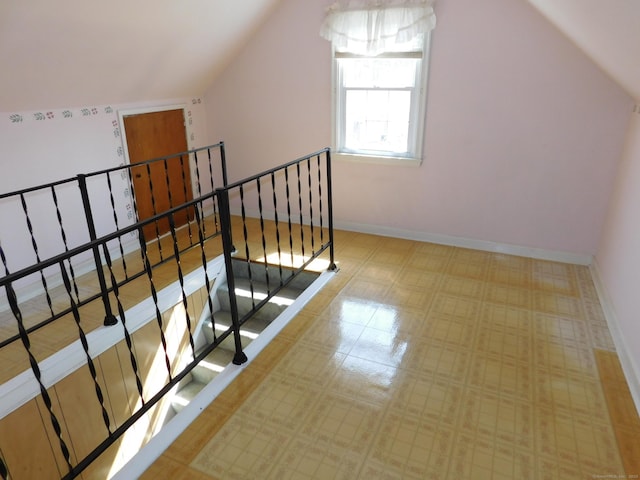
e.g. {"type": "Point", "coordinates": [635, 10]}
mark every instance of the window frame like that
{"type": "Point", "coordinates": [417, 116]}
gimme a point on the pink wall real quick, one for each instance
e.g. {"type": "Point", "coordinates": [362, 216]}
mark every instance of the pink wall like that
{"type": "Point", "coordinates": [523, 132]}
{"type": "Point", "coordinates": [618, 258]}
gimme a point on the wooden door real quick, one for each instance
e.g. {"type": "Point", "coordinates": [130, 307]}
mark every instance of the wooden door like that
{"type": "Point", "coordinates": [161, 185]}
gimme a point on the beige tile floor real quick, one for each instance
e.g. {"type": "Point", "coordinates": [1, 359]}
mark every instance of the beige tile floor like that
{"type": "Point", "coordinates": [420, 361]}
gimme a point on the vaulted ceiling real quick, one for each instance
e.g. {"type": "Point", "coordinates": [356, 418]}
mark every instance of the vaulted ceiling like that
{"type": "Point", "coordinates": [78, 52]}
{"type": "Point", "coordinates": [607, 31]}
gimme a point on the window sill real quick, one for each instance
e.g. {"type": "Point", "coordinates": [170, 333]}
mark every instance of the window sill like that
{"type": "Point", "coordinates": [378, 160]}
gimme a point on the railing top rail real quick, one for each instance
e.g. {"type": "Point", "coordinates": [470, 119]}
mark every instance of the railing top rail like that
{"type": "Point", "coordinates": [108, 170]}
{"type": "Point", "coordinates": [39, 187]}
{"type": "Point", "coordinates": [275, 169]}
{"type": "Point", "coordinates": [153, 160]}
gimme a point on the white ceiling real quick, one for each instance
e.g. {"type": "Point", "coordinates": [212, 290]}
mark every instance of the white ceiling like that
{"type": "Point", "coordinates": [69, 53]}
{"type": "Point", "coordinates": [608, 31]}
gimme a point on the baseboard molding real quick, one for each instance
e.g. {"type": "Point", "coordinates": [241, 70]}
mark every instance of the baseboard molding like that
{"type": "Point", "coordinates": [629, 366]}
{"type": "Point", "coordinates": [484, 245]}
{"type": "Point", "coordinates": [178, 424]}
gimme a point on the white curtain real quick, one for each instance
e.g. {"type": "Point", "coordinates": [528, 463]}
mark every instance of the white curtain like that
{"type": "Point", "coordinates": [370, 27]}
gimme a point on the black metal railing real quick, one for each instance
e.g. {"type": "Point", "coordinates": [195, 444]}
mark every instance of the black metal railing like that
{"type": "Point", "coordinates": [281, 222]}
{"type": "Point", "coordinates": [60, 205]}
{"type": "Point", "coordinates": [294, 202]}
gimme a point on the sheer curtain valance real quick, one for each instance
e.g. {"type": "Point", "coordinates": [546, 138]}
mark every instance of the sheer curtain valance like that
{"type": "Point", "coordinates": [370, 27]}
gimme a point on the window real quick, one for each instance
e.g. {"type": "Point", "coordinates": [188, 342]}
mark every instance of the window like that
{"type": "Point", "coordinates": [379, 104]}
{"type": "Point", "coordinates": [381, 52]}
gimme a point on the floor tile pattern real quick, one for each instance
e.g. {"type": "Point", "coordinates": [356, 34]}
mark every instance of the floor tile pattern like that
{"type": "Point", "coordinates": [421, 361]}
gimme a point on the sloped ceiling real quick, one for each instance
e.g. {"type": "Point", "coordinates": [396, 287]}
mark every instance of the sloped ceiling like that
{"type": "Point", "coordinates": [77, 52]}
{"type": "Point", "coordinates": [608, 31]}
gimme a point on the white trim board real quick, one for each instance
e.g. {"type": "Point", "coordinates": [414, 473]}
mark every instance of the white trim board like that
{"type": "Point", "coordinates": [178, 424]}
{"type": "Point", "coordinates": [629, 366]}
{"type": "Point", "coordinates": [484, 245]}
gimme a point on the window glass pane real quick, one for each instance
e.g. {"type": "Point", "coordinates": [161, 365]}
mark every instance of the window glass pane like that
{"type": "Point", "coordinates": [379, 72]}
{"type": "Point", "coordinates": [377, 120]}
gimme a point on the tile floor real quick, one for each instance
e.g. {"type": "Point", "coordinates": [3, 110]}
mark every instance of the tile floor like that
{"type": "Point", "coordinates": [420, 361]}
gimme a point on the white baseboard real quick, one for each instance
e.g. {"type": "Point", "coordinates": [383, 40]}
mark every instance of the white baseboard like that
{"type": "Point", "coordinates": [629, 365]}
{"type": "Point", "coordinates": [484, 245]}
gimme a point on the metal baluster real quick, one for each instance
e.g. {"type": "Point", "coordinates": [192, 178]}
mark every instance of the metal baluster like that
{"type": "Point", "coordinates": [225, 226]}
{"type": "Point", "coordinates": [176, 252]}
{"type": "Point", "coordinates": [313, 247]}
{"type": "Point", "coordinates": [246, 246]}
{"type": "Point", "coordinates": [264, 241]}
{"type": "Point", "coordinates": [154, 294]}
{"type": "Point", "coordinates": [109, 318]}
{"type": "Point", "coordinates": [286, 179]}
{"type": "Point", "coordinates": [332, 265]}
{"type": "Point", "coordinates": [123, 320]}
{"type": "Point", "coordinates": [215, 213]}
{"type": "Point", "coordinates": [35, 249]}
{"type": "Point", "coordinates": [206, 274]}
{"type": "Point", "coordinates": [275, 211]}
{"type": "Point", "coordinates": [186, 196]}
{"type": "Point", "coordinates": [13, 303]}
{"type": "Point", "coordinates": [85, 346]}
{"type": "Point", "coordinates": [115, 219]}
{"type": "Point", "coordinates": [320, 202]}
{"type": "Point", "coordinates": [200, 205]}
{"type": "Point", "coordinates": [300, 207]}
{"type": "Point", "coordinates": [64, 240]}
{"type": "Point", "coordinates": [155, 212]}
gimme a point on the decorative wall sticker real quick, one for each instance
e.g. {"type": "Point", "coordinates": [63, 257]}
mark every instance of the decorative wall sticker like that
{"type": "Point", "coordinates": [67, 114]}
{"type": "Point", "coordinates": [15, 118]}
{"type": "Point", "coordinates": [94, 111]}
{"type": "Point", "coordinates": [50, 115]}
{"type": "Point", "coordinates": [85, 112]}
{"type": "Point", "coordinates": [120, 151]}
{"type": "Point", "coordinates": [108, 110]}
{"type": "Point", "coordinates": [39, 116]}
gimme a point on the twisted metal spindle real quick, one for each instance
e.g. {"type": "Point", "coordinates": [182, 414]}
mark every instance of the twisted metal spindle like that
{"type": "Point", "coordinates": [186, 196]}
{"type": "Point", "coordinates": [275, 219]}
{"type": "Point", "coordinates": [246, 245]}
{"type": "Point", "coordinates": [207, 281]}
{"type": "Point", "coordinates": [288, 194]}
{"type": "Point", "coordinates": [185, 304]}
{"type": "Point", "coordinates": [123, 321]}
{"type": "Point", "coordinates": [320, 202]}
{"type": "Point", "coordinates": [15, 309]}
{"type": "Point", "coordinates": [264, 241]}
{"type": "Point", "coordinates": [155, 212]}
{"type": "Point", "coordinates": [300, 207]}
{"type": "Point", "coordinates": [85, 347]}
{"type": "Point", "coordinates": [313, 247]}
{"type": "Point", "coordinates": [63, 234]}
{"type": "Point", "coordinates": [115, 220]}
{"type": "Point", "coordinates": [154, 294]}
{"type": "Point", "coordinates": [35, 249]}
